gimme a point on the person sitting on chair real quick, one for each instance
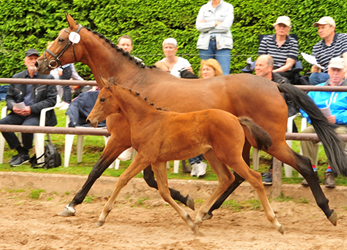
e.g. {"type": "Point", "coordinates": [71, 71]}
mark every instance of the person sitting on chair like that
{"type": "Point", "coordinates": [332, 45]}
{"type": "Point", "coordinates": [25, 101]}
{"type": "Point", "coordinates": [264, 67]}
{"type": "Point", "coordinates": [283, 48]}
{"type": "Point", "coordinates": [336, 103]}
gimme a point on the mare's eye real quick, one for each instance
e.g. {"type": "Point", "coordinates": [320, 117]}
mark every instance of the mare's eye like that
{"type": "Point", "coordinates": [102, 99]}
{"type": "Point", "coordinates": [60, 40]}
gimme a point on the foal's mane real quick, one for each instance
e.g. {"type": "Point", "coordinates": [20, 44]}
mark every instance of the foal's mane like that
{"type": "Point", "coordinates": [137, 94]}
{"type": "Point", "coordinates": [124, 53]}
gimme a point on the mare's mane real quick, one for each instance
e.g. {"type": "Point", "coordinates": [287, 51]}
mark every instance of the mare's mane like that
{"type": "Point", "coordinates": [124, 53]}
{"type": "Point", "coordinates": [136, 94]}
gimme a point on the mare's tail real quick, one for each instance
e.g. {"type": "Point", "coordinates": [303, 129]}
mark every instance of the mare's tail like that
{"type": "Point", "coordinates": [262, 137]}
{"type": "Point", "coordinates": [333, 145]}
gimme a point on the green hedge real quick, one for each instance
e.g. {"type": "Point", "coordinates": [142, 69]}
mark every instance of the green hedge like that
{"type": "Point", "coordinates": [27, 23]}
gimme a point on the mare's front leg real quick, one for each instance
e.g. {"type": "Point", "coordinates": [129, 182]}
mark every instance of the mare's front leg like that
{"type": "Point", "coordinates": [237, 182]}
{"type": "Point", "coordinates": [159, 169]}
{"type": "Point", "coordinates": [135, 167]}
{"type": "Point", "coordinates": [148, 175]}
{"type": "Point", "coordinates": [118, 142]}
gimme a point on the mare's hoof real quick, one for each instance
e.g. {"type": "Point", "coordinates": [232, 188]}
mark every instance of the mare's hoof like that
{"type": "Point", "coordinates": [333, 218]}
{"type": "Point", "coordinates": [190, 203]}
{"type": "Point", "coordinates": [208, 216]}
{"type": "Point", "coordinates": [67, 212]}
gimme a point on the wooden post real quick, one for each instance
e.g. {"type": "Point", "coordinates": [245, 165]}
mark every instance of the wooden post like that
{"type": "Point", "coordinates": [276, 178]}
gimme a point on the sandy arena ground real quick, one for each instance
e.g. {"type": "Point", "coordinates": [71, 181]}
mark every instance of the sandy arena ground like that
{"type": "Point", "coordinates": [141, 220]}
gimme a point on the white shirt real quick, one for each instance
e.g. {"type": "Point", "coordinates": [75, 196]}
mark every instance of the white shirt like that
{"type": "Point", "coordinates": [181, 64]}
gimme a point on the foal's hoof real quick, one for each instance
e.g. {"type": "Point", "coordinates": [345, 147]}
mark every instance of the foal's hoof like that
{"type": "Point", "coordinates": [281, 229]}
{"type": "Point", "coordinates": [190, 202]}
{"type": "Point", "coordinates": [100, 223]}
{"type": "Point", "coordinates": [208, 216]}
{"type": "Point", "coordinates": [67, 212]}
{"type": "Point", "coordinates": [333, 218]}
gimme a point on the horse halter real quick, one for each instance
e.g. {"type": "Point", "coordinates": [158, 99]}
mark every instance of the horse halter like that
{"type": "Point", "coordinates": [55, 63]}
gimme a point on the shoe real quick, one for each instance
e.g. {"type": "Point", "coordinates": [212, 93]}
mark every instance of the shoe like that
{"type": "Point", "coordinates": [20, 160]}
{"type": "Point", "coordinates": [305, 183]}
{"type": "Point", "coordinates": [13, 158]}
{"type": "Point", "coordinates": [329, 180]}
{"type": "Point", "coordinates": [125, 155]}
{"type": "Point", "coordinates": [195, 168]}
{"type": "Point", "coordinates": [65, 106]}
{"type": "Point", "coordinates": [201, 169]}
{"type": "Point", "coordinates": [267, 181]}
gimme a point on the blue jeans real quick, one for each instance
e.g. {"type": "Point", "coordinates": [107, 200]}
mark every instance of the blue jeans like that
{"type": "Point", "coordinates": [196, 159]}
{"type": "Point", "coordinates": [222, 56]}
{"type": "Point", "coordinates": [317, 78]}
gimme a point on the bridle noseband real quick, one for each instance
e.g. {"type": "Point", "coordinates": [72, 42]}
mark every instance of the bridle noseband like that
{"type": "Point", "coordinates": [55, 63]}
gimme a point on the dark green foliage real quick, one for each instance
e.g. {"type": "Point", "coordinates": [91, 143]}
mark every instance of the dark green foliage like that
{"type": "Point", "coordinates": [27, 23]}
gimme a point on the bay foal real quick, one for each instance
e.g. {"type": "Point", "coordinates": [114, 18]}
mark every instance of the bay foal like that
{"type": "Point", "coordinates": [160, 136]}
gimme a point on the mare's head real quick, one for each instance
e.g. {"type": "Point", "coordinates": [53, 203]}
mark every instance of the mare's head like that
{"type": "Point", "coordinates": [66, 48]}
{"type": "Point", "coordinates": [105, 105]}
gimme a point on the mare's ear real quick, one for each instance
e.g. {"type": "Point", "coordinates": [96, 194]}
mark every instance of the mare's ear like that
{"type": "Point", "coordinates": [71, 22]}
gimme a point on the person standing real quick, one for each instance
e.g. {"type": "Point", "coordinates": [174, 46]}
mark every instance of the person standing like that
{"type": "Point", "coordinates": [336, 103]}
{"type": "Point", "coordinates": [332, 45]}
{"type": "Point", "coordinates": [126, 43]}
{"type": "Point", "coordinates": [25, 101]}
{"type": "Point", "coordinates": [215, 40]}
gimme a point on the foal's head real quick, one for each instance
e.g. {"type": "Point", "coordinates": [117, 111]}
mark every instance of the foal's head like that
{"type": "Point", "coordinates": [105, 105]}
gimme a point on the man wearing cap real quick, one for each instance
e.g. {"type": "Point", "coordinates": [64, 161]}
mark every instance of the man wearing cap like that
{"type": "Point", "coordinates": [332, 45]}
{"type": "Point", "coordinates": [283, 48]}
{"type": "Point", "coordinates": [25, 101]}
{"type": "Point", "coordinates": [334, 105]}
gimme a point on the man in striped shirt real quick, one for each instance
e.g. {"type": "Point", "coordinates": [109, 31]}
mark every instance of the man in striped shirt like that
{"type": "Point", "coordinates": [332, 45]}
{"type": "Point", "coordinates": [282, 47]}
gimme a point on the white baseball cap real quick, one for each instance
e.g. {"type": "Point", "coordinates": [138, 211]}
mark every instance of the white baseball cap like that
{"type": "Point", "coordinates": [325, 20]}
{"type": "Point", "coordinates": [337, 62]}
{"type": "Point", "coordinates": [283, 19]}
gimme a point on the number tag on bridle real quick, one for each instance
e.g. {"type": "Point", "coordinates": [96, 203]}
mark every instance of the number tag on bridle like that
{"type": "Point", "coordinates": [74, 37]}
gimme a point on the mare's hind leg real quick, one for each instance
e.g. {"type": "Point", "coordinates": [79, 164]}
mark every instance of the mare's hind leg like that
{"type": "Point", "coordinates": [254, 178]}
{"type": "Point", "coordinates": [135, 167]}
{"type": "Point", "coordinates": [148, 175]}
{"type": "Point", "coordinates": [225, 178]}
{"type": "Point", "coordinates": [159, 169]}
{"type": "Point", "coordinates": [303, 165]}
{"type": "Point", "coordinates": [237, 182]}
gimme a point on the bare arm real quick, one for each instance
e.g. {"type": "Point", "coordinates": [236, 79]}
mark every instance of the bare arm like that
{"type": "Point", "coordinates": [288, 66]}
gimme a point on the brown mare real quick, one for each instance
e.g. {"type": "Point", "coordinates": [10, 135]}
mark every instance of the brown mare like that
{"type": "Point", "coordinates": [240, 94]}
{"type": "Point", "coordinates": [161, 136]}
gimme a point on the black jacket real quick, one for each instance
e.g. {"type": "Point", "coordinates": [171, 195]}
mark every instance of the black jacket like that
{"type": "Point", "coordinates": [44, 96]}
{"type": "Point", "coordinates": [292, 110]}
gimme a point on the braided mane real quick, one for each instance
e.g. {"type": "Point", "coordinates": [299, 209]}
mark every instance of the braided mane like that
{"type": "Point", "coordinates": [136, 94]}
{"type": "Point", "coordinates": [124, 53]}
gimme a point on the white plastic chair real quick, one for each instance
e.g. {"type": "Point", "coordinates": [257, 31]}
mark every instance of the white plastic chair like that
{"type": "Point", "coordinates": [287, 169]}
{"type": "Point", "coordinates": [39, 138]}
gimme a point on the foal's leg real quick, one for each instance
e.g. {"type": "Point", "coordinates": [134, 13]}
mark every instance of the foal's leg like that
{"type": "Point", "coordinates": [237, 182]}
{"type": "Point", "coordinates": [159, 169]}
{"type": "Point", "coordinates": [225, 178]}
{"type": "Point", "coordinates": [254, 178]}
{"type": "Point", "coordinates": [148, 175]}
{"type": "Point", "coordinates": [135, 167]}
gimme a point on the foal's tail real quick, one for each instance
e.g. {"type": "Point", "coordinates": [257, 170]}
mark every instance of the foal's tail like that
{"type": "Point", "coordinates": [333, 145]}
{"type": "Point", "coordinates": [262, 137]}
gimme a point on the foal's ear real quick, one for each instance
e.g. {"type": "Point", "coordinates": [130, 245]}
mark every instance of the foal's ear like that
{"type": "Point", "coordinates": [104, 82]}
{"type": "Point", "coordinates": [70, 21]}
